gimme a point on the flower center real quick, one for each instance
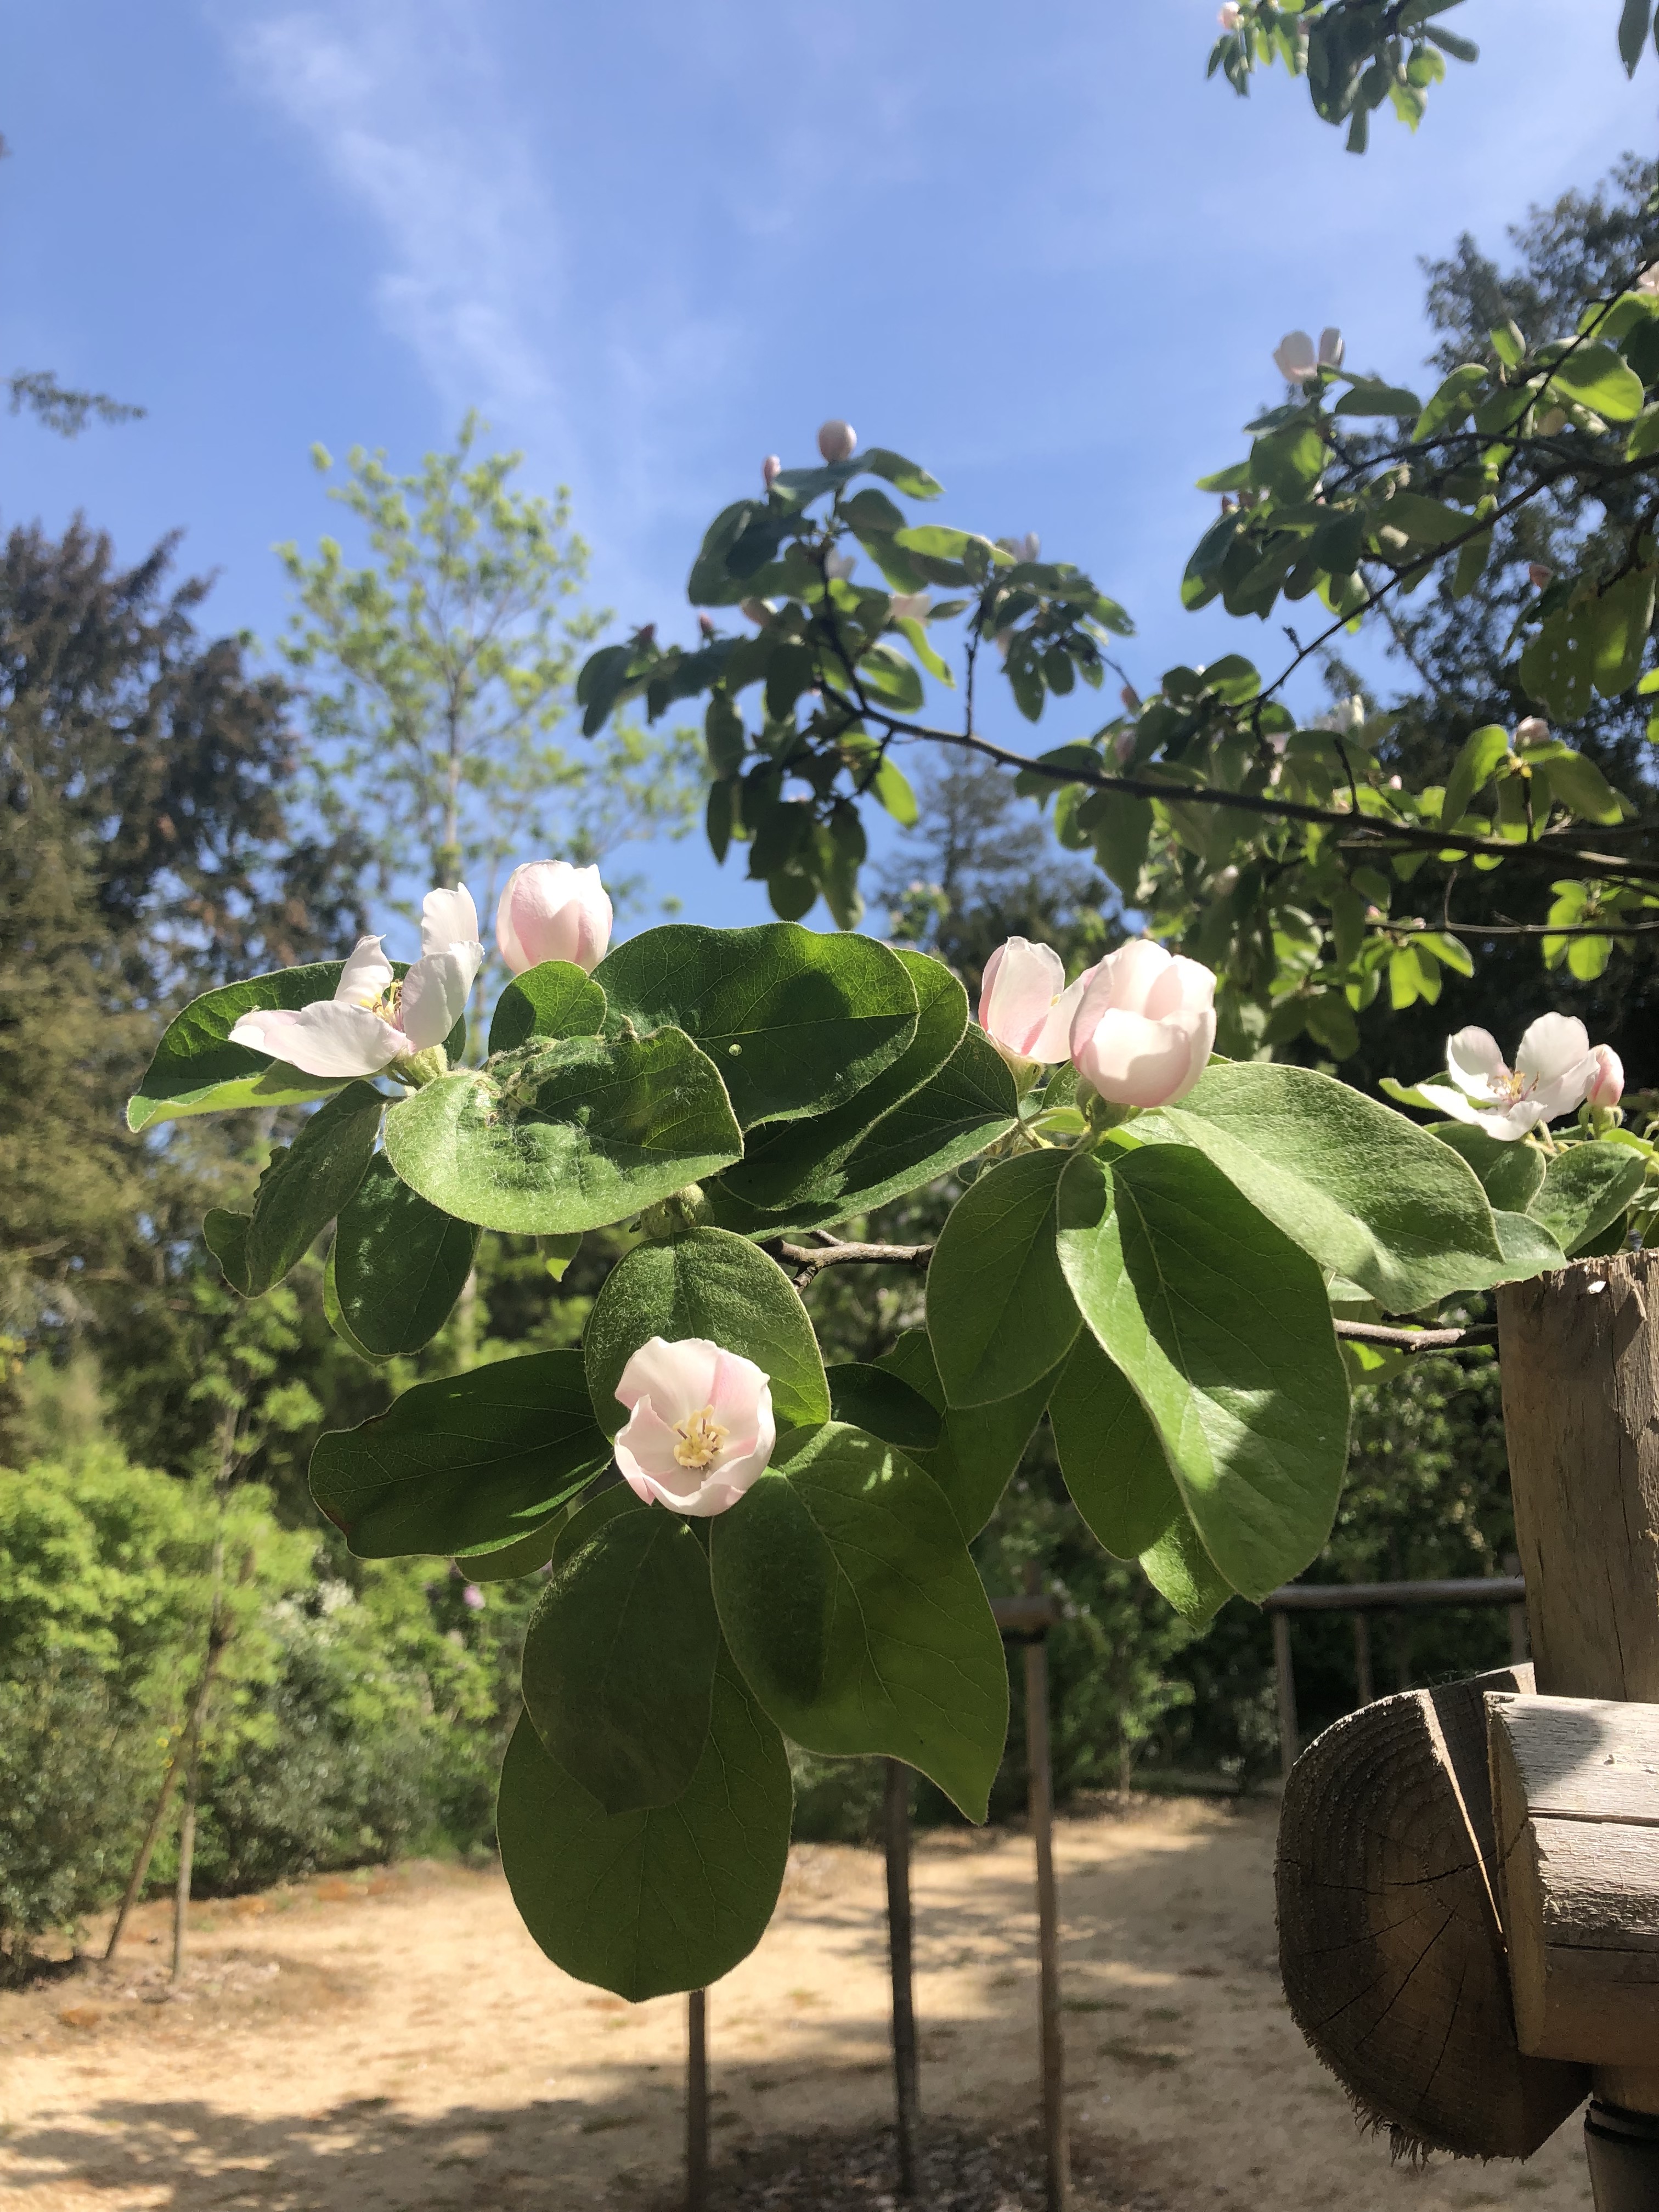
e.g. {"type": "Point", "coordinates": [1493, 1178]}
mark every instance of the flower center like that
{"type": "Point", "coordinates": [1510, 1087]}
{"type": "Point", "coordinates": [698, 1440]}
{"type": "Point", "coordinates": [388, 1005]}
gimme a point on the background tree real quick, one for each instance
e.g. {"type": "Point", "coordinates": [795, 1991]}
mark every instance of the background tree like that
{"type": "Point", "coordinates": [437, 676]}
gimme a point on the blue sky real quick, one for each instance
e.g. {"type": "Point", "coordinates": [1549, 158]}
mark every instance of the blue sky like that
{"type": "Point", "coordinates": [653, 242]}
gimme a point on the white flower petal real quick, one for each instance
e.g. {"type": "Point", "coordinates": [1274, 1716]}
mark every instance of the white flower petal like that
{"type": "Point", "coordinates": [448, 918]}
{"type": "Point", "coordinates": [1553, 1046]}
{"type": "Point", "coordinates": [435, 994]}
{"type": "Point", "coordinates": [326, 1038]}
{"type": "Point", "coordinates": [1476, 1064]}
{"type": "Point", "coordinates": [1506, 1123]}
{"type": "Point", "coordinates": [1053, 1042]}
{"type": "Point", "coordinates": [366, 974]}
{"type": "Point", "coordinates": [1019, 987]}
{"type": "Point", "coordinates": [678, 1377]}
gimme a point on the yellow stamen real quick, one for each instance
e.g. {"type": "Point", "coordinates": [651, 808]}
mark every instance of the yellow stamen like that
{"type": "Point", "coordinates": [700, 1438]}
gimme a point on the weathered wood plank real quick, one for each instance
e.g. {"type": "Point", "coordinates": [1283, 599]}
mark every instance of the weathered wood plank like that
{"type": "Point", "coordinates": [1390, 1942]}
{"type": "Point", "coordinates": [1577, 1758]}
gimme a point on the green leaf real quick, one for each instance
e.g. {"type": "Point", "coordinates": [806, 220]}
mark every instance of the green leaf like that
{"type": "Point", "coordinates": [619, 1660]}
{"type": "Point", "coordinates": [1452, 402]}
{"type": "Point", "coordinates": [398, 1264]}
{"type": "Point", "coordinates": [581, 1132]}
{"type": "Point", "coordinates": [1483, 753]}
{"type": "Point", "coordinates": [1423, 521]}
{"type": "Point", "coordinates": [1123, 830]}
{"type": "Point", "coordinates": [968, 1105]}
{"type": "Point", "coordinates": [1222, 1325]}
{"type": "Point", "coordinates": [527, 1555]}
{"type": "Point", "coordinates": [196, 1070]}
{"type": "Point", "coordinates": [1287, 463]}
{"type": "Point", "coordinates": [1181, 1571]}
{"type": "Point", "coordinates": [790, 1161]}
{"type": "Point", "coordinates": [1511, 1175]}
{"type": "Point", "coordinates": [1367, 399]}
{"type": "Point", "coordinates": [908, 476]}
{"type": "Point", "coordinates": [650, 1902]}
{"type": "Point", "coordinates": [894, 794]}
{"type": "Point", "coordinates": [1599, 377]}
{"type": "Point", "coordinates": [1109, 1454]}
{"type": "Point", "coordinates": [1575, 779]}
{"type": "Point", "coordinates": [851, 1605]}
{"type": "Point", "coordinates": [225, 1235]}
{"type": "Point", "coordinates": [1000, 1314]}
{"type": "Point", "coordinates": [1623, 617]}
{"type": "Point", "coordinates": [876, 1400]}
{"type": "Point", "coordinates": [979, 1446]}
{"type": "Point", "coordinates": [1365, 1192]}
{"type": "Point", "coordinates": [1528, 1248]}
{"type": "Point", "coordinates": [1586, 1189]}
{"type": "Point", "coordinates": [555, 999]}
{"type": "Point", "coordinates": [1557, 667]}
{"type": "Point", "coordinates": [795, 1022]}
{"type": "Point", "coordinates": [465, 1464]}
{"type": "Point", "coordinates": [1633, 20]}
{"type": "Point", "coordinates": [306, 1184]}
{"type": "Point", "coordinates": [708, 1284]}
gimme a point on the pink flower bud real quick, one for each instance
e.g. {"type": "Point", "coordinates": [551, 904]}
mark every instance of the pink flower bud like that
{"type": "Point", "coordinates": [1606, 1083]}
{"type": "Point", "coordinates": [1229, 14]}
{"type": "Point", "coordinates": [473, 1598]}
{"type": "Point", "coordinates": [771, 469]}
{"type": "Point", "coordinates": [1538, 575]}
{"type": "Point", "coordinates": [836, 440]}
{"type": "Point", "coordinates": [1533, 730]}
{"type": "Point", "coordinates": [1131, 699]}
{"type": "Point", "coordinates": [1295, 357]}
{"type": "Point", "coordinates": [700, 1427]}
{"type": "Point", "coordinates": [553, 911]}
{"type": "Point", "coordinates": [1025, 1007]}
{"type": "Point", "coordinates": [706, 625]}
{"type": "Point", "coordinates": [1143, 1029]}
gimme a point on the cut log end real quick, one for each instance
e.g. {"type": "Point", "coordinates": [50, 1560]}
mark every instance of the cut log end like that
{"type": "Point", "coordinates": [1390, 1942]}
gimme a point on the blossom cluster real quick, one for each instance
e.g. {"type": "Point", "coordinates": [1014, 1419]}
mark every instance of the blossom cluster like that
{"type": "Point", "coordinates": [1139, 1026]}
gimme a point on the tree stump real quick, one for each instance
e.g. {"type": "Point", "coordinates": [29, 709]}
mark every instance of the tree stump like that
{"type": "Point", "coordinates": [1390, 1944]}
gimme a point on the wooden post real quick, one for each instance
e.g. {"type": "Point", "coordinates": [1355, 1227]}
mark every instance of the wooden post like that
{"type": "Point", "coordinates": [1362, 1658]}
{"type": "Point", "coordinates": [186, 1861]}
{"type": "Point", "coordinates": [1579, 1351]}
{"type": "Point", "coordinates": [1286, 1681]}
{"type": "Point", "coordinates": [696, 2100]}
{"type": "Point", "coordinates": [895, 1825]}
{"type": "Point", "coordinates": [1040, 1767]}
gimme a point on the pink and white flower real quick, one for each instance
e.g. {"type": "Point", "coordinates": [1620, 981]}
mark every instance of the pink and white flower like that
{"type": "Point", "coordinates": [1026, 1006]}
{"type": "Point", "coordinates": [1553, 1070]}
{"type": "Point", "coordinates": [1228, 14]}
{"type": "Point", "coordinates": [373, 1020]}
{"type": "Point", "coordinates": [700, 1427]}
{"type": "Point", "coordinates": [771, 469]}
{"type": "Point", "coordinates": [1607, 1083]}
{"type": "Point", "coordinates": [1145, 1027]}
{"type": "Point", "coordinates": [837, 441]}
{"type": "Point", "coordinates": [1297, 360]}
{"type": "Point", "coordinates": [551, 911]}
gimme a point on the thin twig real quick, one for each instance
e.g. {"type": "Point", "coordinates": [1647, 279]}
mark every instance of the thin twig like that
{"type": "Point", "coordinates": [810, 1261]}
{"type": "Point", "coordinates": [1417, 1339]}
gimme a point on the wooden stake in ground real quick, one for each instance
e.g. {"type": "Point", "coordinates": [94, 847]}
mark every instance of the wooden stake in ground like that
{"type": "Point", "coordinates": [186, 1858]}
{"type": "Point", "coordinates": [697, 2101]}
{"type": "Point", "coordinates": [1042, 1801]}
{"type": "Point", "coordinates": [907, 2103]}
{"type": "Point", "coordinates": [1580, 1358]}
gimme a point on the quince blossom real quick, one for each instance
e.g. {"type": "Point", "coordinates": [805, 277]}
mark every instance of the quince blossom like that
{"type": "Point", "coordinates": [551, 910]}
{"type": "Point", "coordinates": [1297, 361]}
{"type": "Point", "coordinates": [837, 440]}
{"type": "Point", "coordinates": [1026, 1006]}
{"type": "Point", "coordinates": [700, 1427]}
{"type": "Point", "coordinates": [1606, 1083]}
{"type": "Point", "coordinates": [373, 1020]}
{"type": "Point", "coordinates": [1145, 1027]}
{"type": "Point", "coordinates": [1553, 1070]}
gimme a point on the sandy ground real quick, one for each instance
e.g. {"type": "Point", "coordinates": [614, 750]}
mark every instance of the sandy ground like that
{"type": "Point", "coordinates": [395, 2043]}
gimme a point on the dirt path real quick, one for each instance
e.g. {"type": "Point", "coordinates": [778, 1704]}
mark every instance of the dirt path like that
{"type": "Point", "coordinates": [397, 2043]}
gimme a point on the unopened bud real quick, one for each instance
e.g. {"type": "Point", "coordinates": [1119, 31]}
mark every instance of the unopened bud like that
{"type": "Point", "coordinates": [1131, 699]}
{"type": "Point", "coordinates": [1538, 575]}
{"type": "Point", "coordinates": [836, 440]}
{"type": "Point", "coordinates": [1533, 731]}
{"type": "Point", "coordinates": [646, 634]}
{"type": "Point", "coordinates": [1606, 1086]}
{"type": "Point", "coordinates": [1228, 16]}
{"type": "Point", "coordinates": [706, 625]}
{"type": "Point", "coordinates": [759, 611]}
{"type": "Point", "coordinates": [1123, 745]}
{"type": "Point", "coordinates": [771, 469]}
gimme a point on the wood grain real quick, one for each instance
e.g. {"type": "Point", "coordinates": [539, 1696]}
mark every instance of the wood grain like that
{"type": "Point", "coordinates": [1389, 1940]}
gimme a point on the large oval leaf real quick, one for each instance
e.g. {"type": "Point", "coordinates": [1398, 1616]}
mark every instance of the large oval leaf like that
{"type": "Point", "coordinates": [196, 1070]}
{"type": "Point", "coordinates": [1366, 1193]}
{"type": "Point", "coordinates": [806, 1160]}
{"type": "Point", "coordinates": [555, 999]}
{"type": "Point", "coordinates": [1585, 1189]}
{"type": "Point", "coordinates": [999, 1313]}
{"type": "Point", "coordinates": [795, 1023]}
{"type": "Point", "coordinates": [647, 1902]}
{"type": "Point", "coordinates": [306, 1184]}
{"type": "Point", "coordinates": [1223, 1327]}
{"type": "Point", "coordinates": [859, 1620]}
{"type": "Point", "coordinates": [398, 1264]}
{"type": "Point", "coordinates": [571, 1135]}
{"type": "Point", "coordinates": [979, 1446]}
{"type": "Point", "coordinates": [466, 1464]}
{"type": "Point", "coordinates": [619, 1660]}
{"type": "Point", "coordinates": [710, 1283]}
{"type": "Point", "coordinates": [1110, 1453]}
